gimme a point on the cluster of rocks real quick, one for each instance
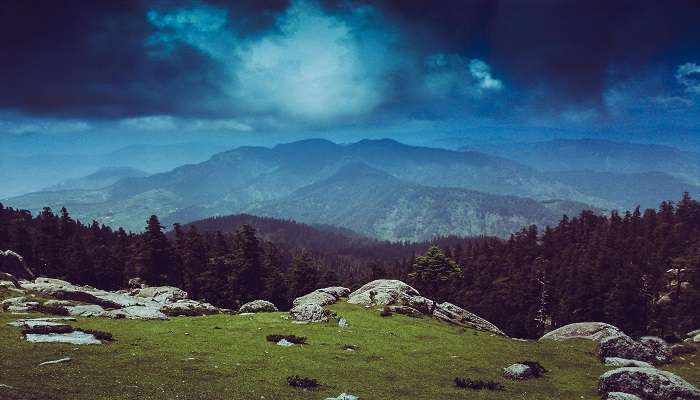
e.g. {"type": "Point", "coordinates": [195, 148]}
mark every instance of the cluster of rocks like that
{"type": "Point", "coordinates": [395, 295]}
{"type": "Point", "coordinates": [53, 330]}
{"type": "Point", "coordinates": [635, 376]}
{"type": "Point", "coordinates": [159, 302]}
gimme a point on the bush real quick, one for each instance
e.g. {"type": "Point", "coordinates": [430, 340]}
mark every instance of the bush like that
{"type": "Point", "coordinates": [386, 312]}
{"type": "Point", "coordinates": [289, 338]}
{"type": "Point", "coordinates": [46, 329]}
{"type": "Point", "coordinates": [302, 382]}
{"type": "Point", "coordinates": [50, 309]}
{"type": "Point", "coordinates": [467, 383]}
{"type": "Point", "coordinates": [536, 367]}
{"type": "Point", "coordinates": [99, 335]}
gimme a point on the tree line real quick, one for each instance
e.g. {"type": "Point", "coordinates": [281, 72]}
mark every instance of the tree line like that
{"type": "Point", "coordinates": [614, 268]}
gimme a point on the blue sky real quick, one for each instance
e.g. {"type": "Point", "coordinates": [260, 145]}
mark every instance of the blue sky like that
{"type": "Point", "coordinates": [514, 70]}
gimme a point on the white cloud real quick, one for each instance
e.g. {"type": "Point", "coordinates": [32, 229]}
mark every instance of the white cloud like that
{"type": "Point", "coordinates": [313, 66]}
{"type": "Point", "coordinates": [150, 123]}
{"type": "Point", "coordinates": [688, 75]}
{"type": "Point", "coordinates": [40, 125]}
{"type": "Point", "coordinates": [170, 123]}
{"type": "Point", "coordinates": [482, 73]}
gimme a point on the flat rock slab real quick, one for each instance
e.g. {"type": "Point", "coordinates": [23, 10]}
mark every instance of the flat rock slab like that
{"type": "Point", "coordinates": [75, 337]}
{"type": "Point", "coordinates": [62, 360]}
{"type": "Point", "coordinates": [32, 323]}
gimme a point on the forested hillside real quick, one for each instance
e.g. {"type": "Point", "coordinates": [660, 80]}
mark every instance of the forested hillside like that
{"type": "Point", "coordinates": [639, 270]}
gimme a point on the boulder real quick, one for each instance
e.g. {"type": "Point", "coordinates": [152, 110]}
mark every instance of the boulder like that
{"type": "Point", "coordinates": [9, 281]}
{"type": "Point", "coordinates": [622, 346]}
{"type": "Point", "coordinates": [382, 292]}
{"type": "Point", "coordinates": [75, 337]}
{"type": "Point", "coordinates": [160, 294]}
{"type": "Point", "coordinates": [647, 383]}
{"type": "Point", "coordinates": [308, 312]}
{"type": "Point", "coordinates": [13, 264]}
{"type": "Point", "coordinates": [420, 303]}
{"type": "Point", "coordinates": [336, 291]}
{"type": "Point", "coordinates": [621, 396]}
{"type": "Point", "coordinates": [188, 308]}
{"type": "Point", "coordinates": [459, 316]}
{"type": "Point", "coordinates": [623, 362]}
{"type": "Point", "coordinates": [63, 290]}
{"type": "Point", "coordinates": [318, 297]}
{"type": "Point", "coordinates": [518, 372]}
{"type": "Point", "coordinates": [693, 333]}
{"type": "Point", "coordinates": [405, 310]}
{"type": "Point", "coordinates": [137, 312]}
{"type": "Point", "coordinates": [680, 349]}
{"type": "Point", "coordinates": [86, 310]}
{"type": "Point", "coordinates": [58, 303]}
{"type": "Point", "coordinates": [696, 338]}
{"type": "Point", "coordinates": [257, 306]}
{"type": "Point", "coordinates": [13, 301]}
{"type": "Point", "coordinates": [658, 348]}
{"type": "Point", "coordinates": [136, 283]}
{"type": "Point", "coordinates": [583, 330]}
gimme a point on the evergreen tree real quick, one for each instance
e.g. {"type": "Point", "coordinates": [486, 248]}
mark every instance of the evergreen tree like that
{"type": "Point", "coordinates": [433, 273]}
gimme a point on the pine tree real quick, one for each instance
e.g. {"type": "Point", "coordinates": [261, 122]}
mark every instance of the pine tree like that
{"type": "Point", "coordinates": [434, 273]}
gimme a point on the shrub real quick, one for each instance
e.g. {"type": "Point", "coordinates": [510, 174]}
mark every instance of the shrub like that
{"type": "Point", "coordinates": [386, 312]}
{"type": "Point", "coordinates": [99, 335]}
{"type": "Point", "coordinates": [536, 367]}
{"type": "Point", "coordinates": [289, 338]}
{"type": "Point", "coordinates": [467, 383]}
{"type": "Point", "coordinates": [302, 382]}
{"type": "Point", "coordinates": [46, 329]}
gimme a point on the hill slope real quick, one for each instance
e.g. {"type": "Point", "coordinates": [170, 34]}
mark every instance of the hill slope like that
{"type": "Point", "coordinates": [103, 177]}
{"type": "Point", "coordinates": [227, 357]}
{"type": "Point", "coordinates": [379, 205]}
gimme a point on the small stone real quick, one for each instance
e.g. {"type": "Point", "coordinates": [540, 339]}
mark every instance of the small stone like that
{"type": "Point", "coordinates": [343, 396]}
{"type": "Point", "coordinates": [285, 343]}
{"type": "Point", "coordinates": [62, 360]}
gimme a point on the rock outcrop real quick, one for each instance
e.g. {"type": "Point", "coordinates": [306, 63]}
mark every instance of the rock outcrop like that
{"type": "Point", "coordinates": [308, 312]}
{"type": "Point", "coordinates": [12, 263]}
{"type": "Point", "coordinates": [257, 306]}
{"type": "Point", "coordinates": [652, 350]}
{"type": "Point", "coordinates": [583, 330]}
{"type": "Point", "coordinates": [309, 308]}
{"type": "Point", "coordinates": [459, 316]}
{"type": "Point", "coordinates": [623, 362]}
{"type": "Point", "coordinates": [156, 302]}
{"type": "Point", "coordinates": [518, 372]}
{"type": "Point", "coordinates": [621, 396]}
{"type": "Point", "coordinates": [648, 384]}
{"type": "Point", "coordinates": [382, 292]}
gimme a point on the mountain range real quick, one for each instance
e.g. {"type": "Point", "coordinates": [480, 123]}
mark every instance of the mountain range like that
{"type": "Point", "coordinates": [380, 188]}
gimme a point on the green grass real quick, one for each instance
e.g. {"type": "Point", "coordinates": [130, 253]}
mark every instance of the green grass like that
{"type": "Point", "coordinates": [228, 357]}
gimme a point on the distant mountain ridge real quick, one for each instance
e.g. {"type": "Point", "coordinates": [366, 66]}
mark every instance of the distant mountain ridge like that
{"type": "Point", "coordinates": [254, 179]}
{"type": "Point", "coordinates": [103, 177]}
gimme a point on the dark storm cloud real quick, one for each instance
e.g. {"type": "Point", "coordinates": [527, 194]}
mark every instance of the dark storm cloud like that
{"type": "Point", "coordinates": [129, 59]}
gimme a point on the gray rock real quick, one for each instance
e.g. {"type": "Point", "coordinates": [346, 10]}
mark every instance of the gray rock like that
{"type": "Point", "coordinates": [623, 346]}
{"type": "Point", "coordinates": [343, 323]}
{"type": "Point", "coordinates": [58, 303]}
{"type": "Point", "coordinates": [405, 310]}
{"type": "Point", "coordinates": [34, 322]}
{"type": "Point", "coordinates": [285, 343]}
{"type": "Point", "coordinates": [309, 313]}
{"type": "Point", "coordinates": [160, 294]}
{"type": "Point", "coordinates": [459, 316]}
{"type": "Point", "coordinates": [382, 292]}
{"type": "Point", "coordinates": [257, 306]}
{"type": "Point", "coordinates": [61, 360]}
{"type": "Point", "coordinates": [75, 337]}
{"type": "Point", "coordinates": [696, 338]}
{"type": "Point", "coordinates": [136, 283]}
{"type": "Point", "coordinates": [336, 291]}
{"type": "Point", "coordinates": [623, 362]}
{"type": "Point", "coordinates": [13, 301]}
{"type": "Point", "coordinates": [693, 333]}
{"type": "Point", "coordinates": [86, 310]}
{"type": "Point", "coordinates": [621, 396]}
{"type": "Point", "coordinates": [658, 348]}
{"type": "Point", "coordinates": [137, 312]}
{"type": "Point", "coordinates": [518, 372]}
{"type": "Point", "coordinates": [317, 297]}
{"type": "Point", "coordinates": [343, 396]}
{"type": "Point", "coordinates": [188, 308]}
{"type": "Point", "coordinates": [12, 263]}
{"type": "Point", "coordinates": [583, 330]}
{"type": "Point", "coordinates": [647, 383]}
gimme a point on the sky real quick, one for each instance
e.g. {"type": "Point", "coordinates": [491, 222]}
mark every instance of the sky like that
{"type": "Point", "coordinates": [176, 71]}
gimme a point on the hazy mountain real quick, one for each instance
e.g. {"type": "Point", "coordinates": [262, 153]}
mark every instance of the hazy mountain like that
{"type": "Point", "coordinates": [29, 171]}
{"type": "Point", "coordinates": [101, 178]}
{"type": "Point", "coordinates": [601, 156]}
{"type": "Point", "coordinates": [379, 205]}
{"type": "Point", "coordinates": [249, 178]}
{"type": "Point", "coordinates": [644, 189]}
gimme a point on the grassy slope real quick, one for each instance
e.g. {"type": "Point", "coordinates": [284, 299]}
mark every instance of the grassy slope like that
{"type": "Point", "coordinates": [398, 358]}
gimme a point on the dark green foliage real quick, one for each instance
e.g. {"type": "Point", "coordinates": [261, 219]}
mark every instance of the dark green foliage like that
{"type": "Point", "coordinates": [466, 383]}
{"type": "Point", "coordinates": [99, 335]}
{"type": "Point", "coordinates": [289, 338]}
{"type": "Point", "coordinates": [46, 329]}
{"type": "Point", "coordinates": [302, 382]}
{"type": "Point", "coordinates": [51, 310]}
{"type": "Point", "coordinates": [434, 273]}
{"type": "Point", "coordinates": [536, 368]}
